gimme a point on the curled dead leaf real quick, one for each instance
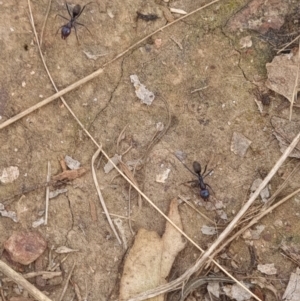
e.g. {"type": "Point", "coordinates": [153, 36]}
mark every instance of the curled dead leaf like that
{"type": "Point", "coordinates": [151, 258]}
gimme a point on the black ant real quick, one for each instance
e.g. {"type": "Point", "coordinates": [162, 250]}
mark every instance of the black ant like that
{"type": "Point", "coordinates": [204, 192]}
{"type": "Point", "coordinates": [74, 14]}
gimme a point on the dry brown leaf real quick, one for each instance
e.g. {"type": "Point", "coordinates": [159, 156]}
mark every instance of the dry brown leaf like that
{"type": "Point", "coordinates": [282, 73]}
{"type": "Point", "coordinates": [285, 132]}
{"type": "Point", "coordinates": [292, 292]}
{"type": "Point", "coordinates": [151, 257]}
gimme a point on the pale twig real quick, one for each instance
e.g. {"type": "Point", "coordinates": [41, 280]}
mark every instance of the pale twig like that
{"type": "Point", "coordinates": [294, 95]}
{"type": "Point", "coordinates": [47, 193]}
{"type": "Point", "coordinates": [45, 21]}
{"type": "Point", "coordinates": [94, 74]}
{"type": "Point", "coordinates": [129, 174]}
{"type": "Point", "coordinates": [177, 43]}
{"type": "Point", "coordinates": [280, 188]}
{"type": "Point", "coordinates": [119, 216]}
{"type": "Point", "coordinates": [59, 263]}
{"type": "Point", "coordinates": [77, 292]}
{"type": "Point", "coordinates": [129, 202]}
{"type": "Point", "coordinates": [101, 197]}
{"type": "Point", "coordinates": [66, 284]}
{"type": "Point", "coordinates": [120, 138]}
{"type": "Point", "coordinates": [199, 89]}
{"type": "Point", "coordinates": [2, 294]}
{"type": "Point", "coordinates": [20, 280]}
{"type": "Point", "coordinates": [44, 274]}
{"type": "Point", "coordinates": [290, 43]}
{"type": "Point", "coordinates": [192, 206]}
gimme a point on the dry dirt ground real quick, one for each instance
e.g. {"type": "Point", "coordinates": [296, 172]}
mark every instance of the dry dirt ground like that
{"type": "Point", "coordinates": [198, 52]}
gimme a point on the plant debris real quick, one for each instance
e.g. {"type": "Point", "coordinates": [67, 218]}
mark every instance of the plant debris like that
{"type": "Point", "coordinates": [72, 163]}
{"type": "Point", "coordinates": [39, 222]}
{"type": "Point", "coordinates": [207, 230]}
{"type": "Point", "coordinates": [254, 234]}
{"type": "Point", "coordinates": [292, 292]}
{"type": "Point", "coordinates": [10, 214]}
{"type": "Point", "coordinates": [141, 92]}
{"type": "Point", "coordinates": [64, 250]}
{"type": "Point", "coordinates": [282, 74]}
{"type": "Point", "coordinates": [9, 174]}
{"type": "Point", "coordinates": [151, 257]}
{"type": "Point", "coordinates": [268, 269]}
{"type": "Point", "coordinates": [162, 177]}
{"type": "Point", "coordinates": [264, 194]}
{"type": "Point", "coordinates": [115, 159]}
{"type": "Point", "coordinates": [285, 131]}
{"type": "Point", "coordinates": [236, 292]}
{"type": "Point", "coordinates": [239, 144]}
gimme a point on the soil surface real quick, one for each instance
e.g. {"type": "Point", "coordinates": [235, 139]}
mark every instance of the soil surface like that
{"type": "Point", "coordinates": [203, 79]}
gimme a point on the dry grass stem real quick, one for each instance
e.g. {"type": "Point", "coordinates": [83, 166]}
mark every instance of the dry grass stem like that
{"type": "Point", "coordinates": [130, 175]}
{"type": "Point", "coordinates": [254, 221]}
{"type": "Point", "coordinates": [199, 89]}
{"type": "Point", "coordinates": [44, 274]}
{"type": "Point", "coordinates": [66, 284]}
{"type": "Point", "coordinates": [287, 45]}
{"type": "Point", "coordinates": [20, 280]}
{"type": "Point", "coordinates": [295, 90]}
{"type": "Point", "coordinates": [282, 186]}
{"type": "Point", "coordinates": [59, 263]}
{"type": "Point", "coordinates": [119, 216]}
{"type": "Point", "coordinates": [77, 292]}
{"type": "Point", "coordinates": [121, 137]}
{"type": "Point", "coordinates": [47, 192]}
{"type": "Point", "coordinates": [45, 21]}
{"type": "Point", "coordinates": [2, 294]}
{"type": "Point", "coordinates": [194, 208]}
{"type": "Point", "coordinates": [158, 135]}
{"type": "Point", "coordinates": [96, 154]}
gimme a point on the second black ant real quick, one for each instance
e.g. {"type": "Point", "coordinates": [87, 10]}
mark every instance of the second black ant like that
{"type": "Point", "coordinates": [204, 192]}
{"type": "Point", "coordinates": [74, 13]}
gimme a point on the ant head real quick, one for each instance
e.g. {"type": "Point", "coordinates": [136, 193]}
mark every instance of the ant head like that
{"type": "Point", "coordinates": [197, 167]}
{"type": "Point", "coordinates": [204, 193]}
{"type": "Point", "coordinates": [65, 32]}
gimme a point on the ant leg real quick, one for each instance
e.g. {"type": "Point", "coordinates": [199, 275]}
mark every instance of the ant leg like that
{"type": "Point", "coordinates": [84, 27]}
{"type": "Point", "coordinates": [83, 9]}
{"type": "Point", "coordinates": [204, 169]}
{"type": "Point", "coordinates": [76, 34]}
{"type": "Point", "coordinates": [210, 188]}
{"type": "Point", "coordinates": [205, 175]}
{"type": "Point", "coordinates": [192, 181]}
{"type": "Point", "coordinates": [68, 9]}
{"type": "Point", "coordinates": [59, 29]}
{"type": "Point", "coordinates": [62, 17]}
